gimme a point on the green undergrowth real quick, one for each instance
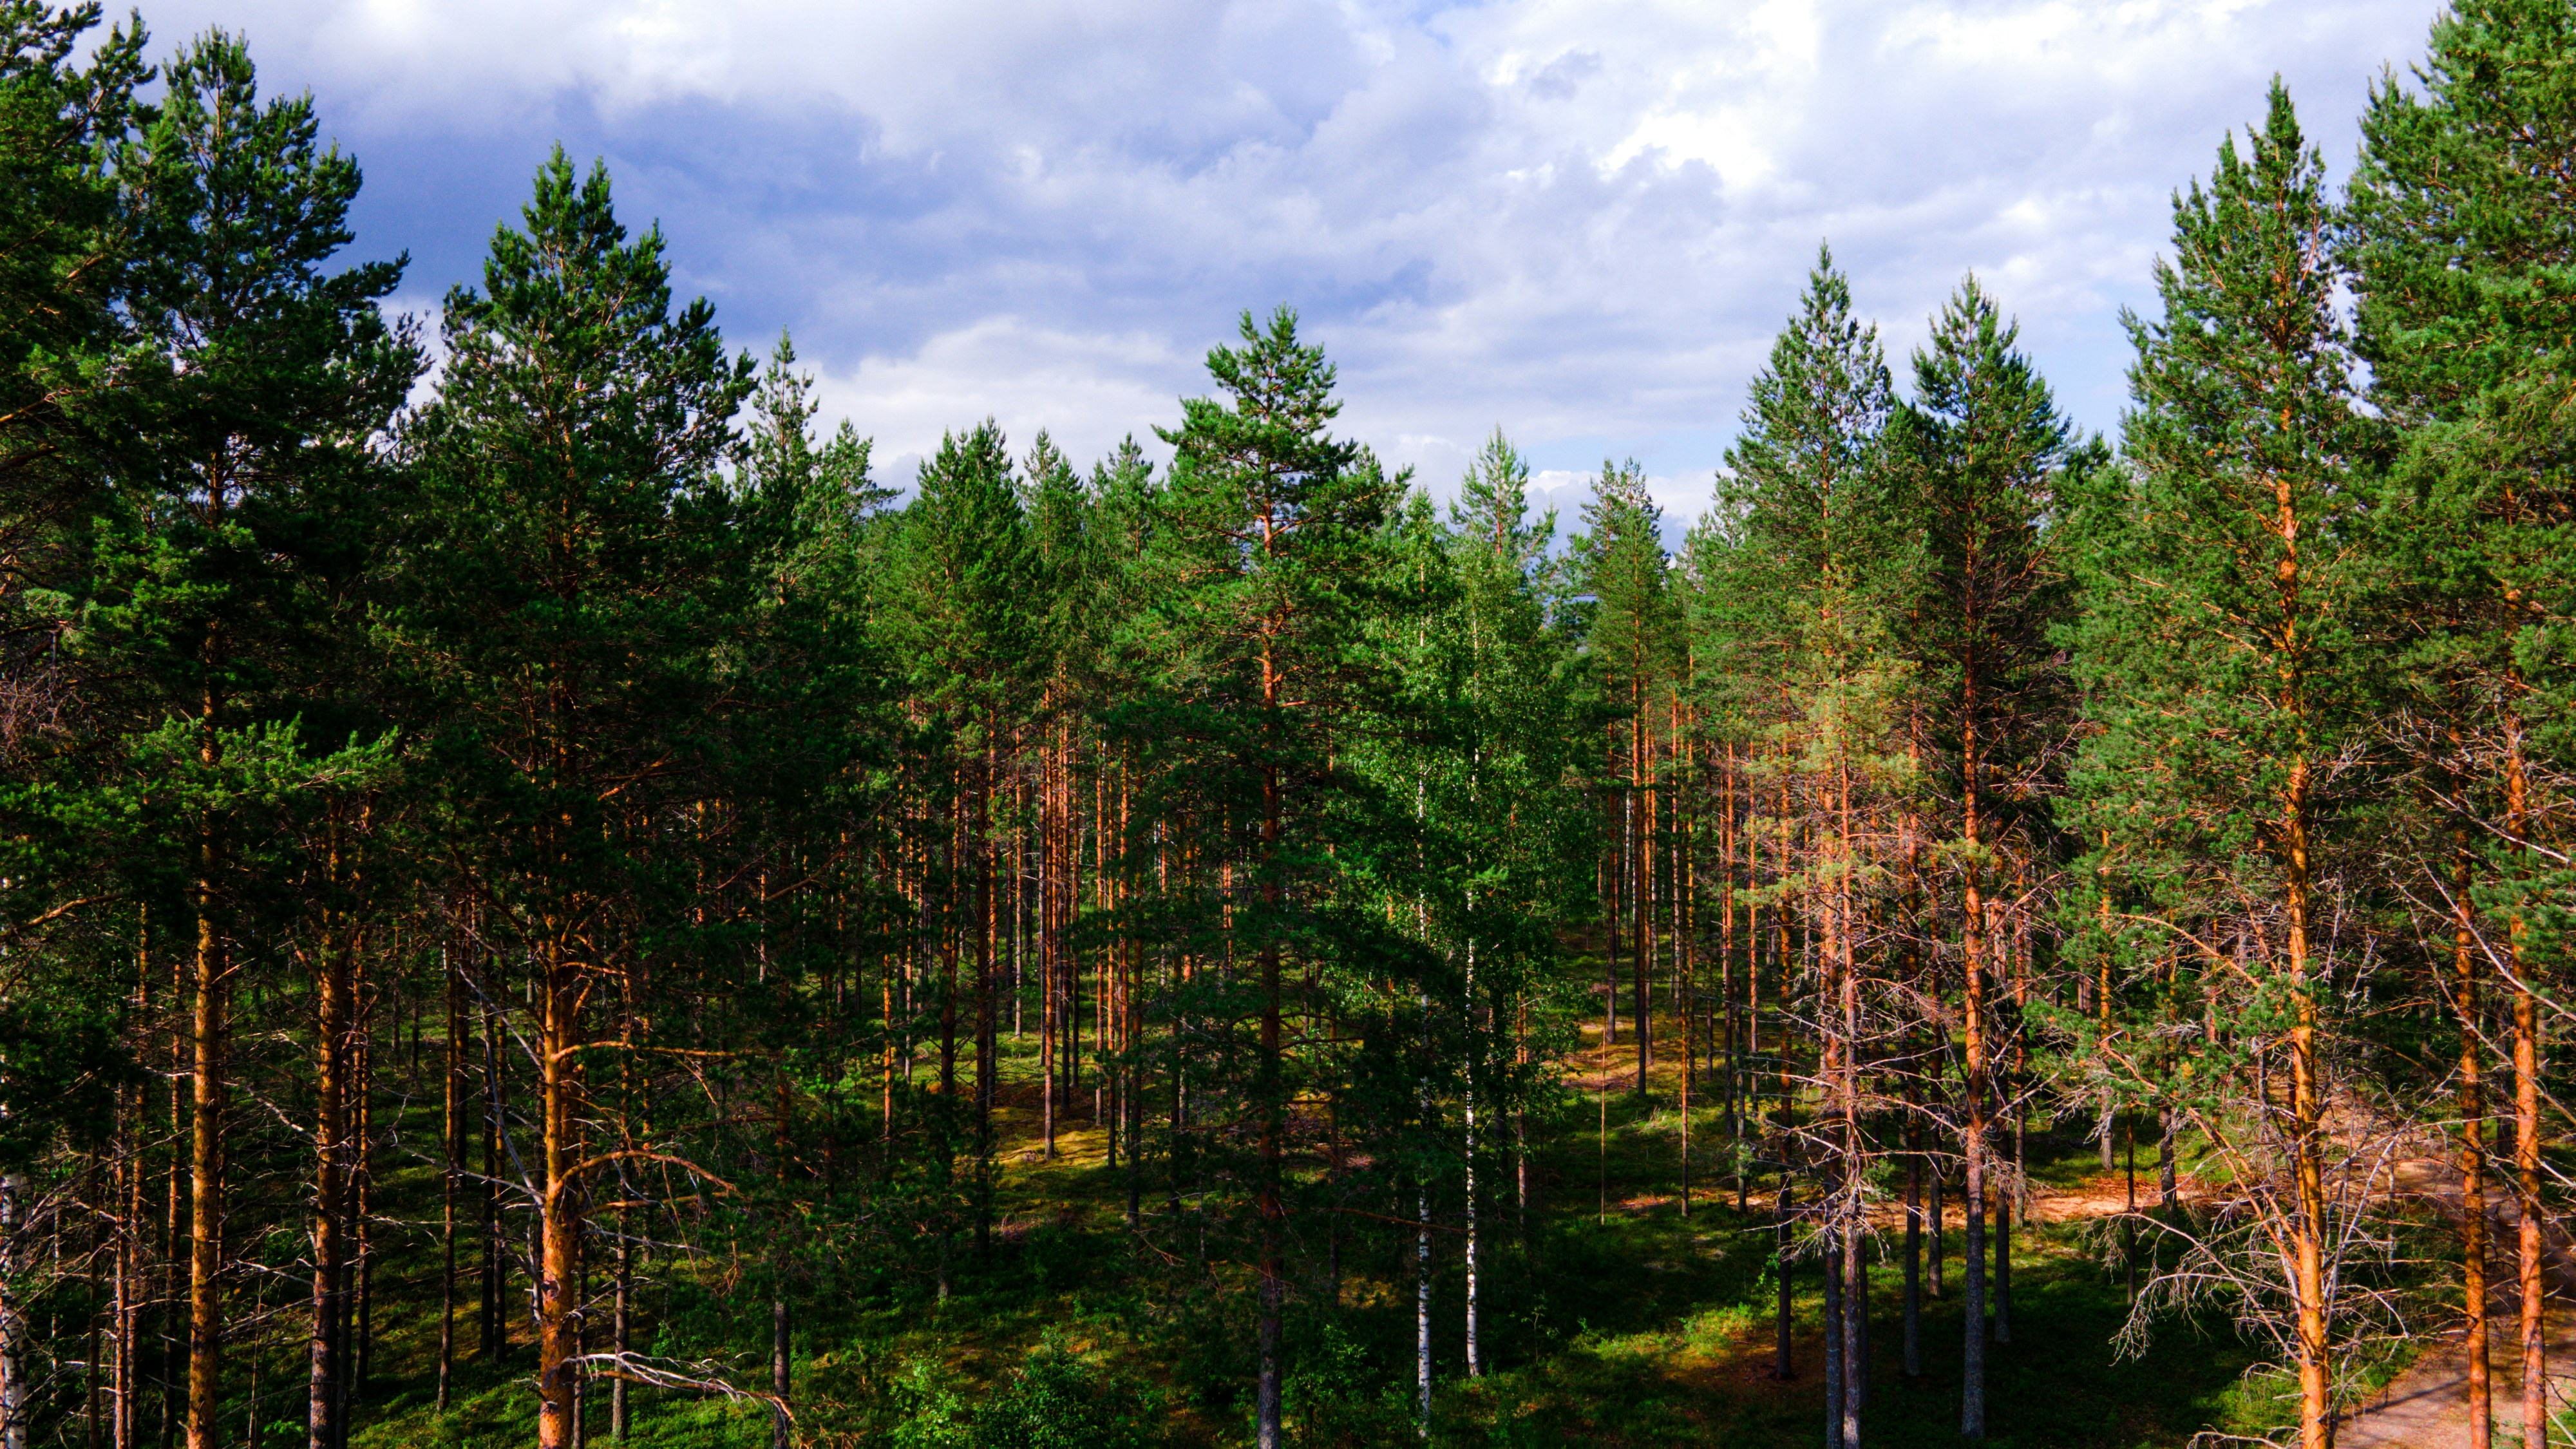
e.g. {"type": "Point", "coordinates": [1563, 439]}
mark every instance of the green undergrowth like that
{"type": "Point", "coordinates": [1630, 1326]}
{"type": "Point", "coordinates": [1643, 1331]}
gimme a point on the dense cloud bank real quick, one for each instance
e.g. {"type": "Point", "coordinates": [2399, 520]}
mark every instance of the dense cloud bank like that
{"type": "Point", "coordinates": [1583, 221]}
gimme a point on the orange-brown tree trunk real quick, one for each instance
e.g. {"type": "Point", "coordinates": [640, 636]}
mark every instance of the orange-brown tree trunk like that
{"type": "Point", "coordinates": [2526, 1114]}
{"type": "Point", "coordinates": [2293, 850]}
{"type": "Point", "coordinates": [330, 1141]}
{"type": "Point", "coordinates": [1641, 871]}
{"type": "Point", "coordinates": [205, 1156]}
{"type": "Point", "coordinates": [1972, 1136]}
{"type": "Point", "coordinates": [559, 1220]}
{"type": "Point", "coordinates": [2473, 1162]}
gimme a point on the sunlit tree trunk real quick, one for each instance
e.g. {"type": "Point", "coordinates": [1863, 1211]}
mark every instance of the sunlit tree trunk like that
{"type": "Point", "coordinates": [208, 1033]}
{"type": "Point", "coordinates": [331, 1048]}
{"type": "Point", "coordinates": [559, 1210]}
{"type": "Point", "coordinates": [2529, 1244]}
{"type": "Point", "coordinates": [2473, 1159]}
{"type": "Point", "coordinates": [1973, 944]}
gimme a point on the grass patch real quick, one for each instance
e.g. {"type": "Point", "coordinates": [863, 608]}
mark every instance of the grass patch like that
{"type": "Point", "coordinates": [1615, 1321]}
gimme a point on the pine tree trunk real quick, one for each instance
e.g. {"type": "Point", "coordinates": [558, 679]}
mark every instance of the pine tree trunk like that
{"type": "Point", "coordinates": [940, 917]}
{"type": "Point", "coordinates": [581, 1345]}
{"type": "Point", "coordinates": [129, 1264]}
{"type": "Point", "coordinates": [1048, 949]}
{"type": "Point", "coordinates": [95, 1412]}
{"type": "Point", "coordinates": [130, 1170]}
{"type": "Point", "coordinates": [780, 1422]}
{"type": "Point", "coordinates": [559, 1211]}
{"type": "Point", "coordinates": [1686, 990]}
{"type": "Point", "coordinates": [1849, 1262]}
{"type": "Point", "coordinates": [205, 1159]}
{"type": "Point", "coordinates": [1914, 1264]}
{"type": "Point", "coordinates": [2102, 997]}
{"type": "Point", "coordinates": [2473, 1155]}
{"type": "Point", "coordinates": [2528, 1243]}
{"type": "Point", "coordinates": [987, 1039]}
{"type": "Point", "coordinates": [173, 1384]}
{"type": "Point", "coordinates": [1783, 1366]}
{"type": "Point", "coordinates": [1613, 893]}
{"type": "Point", "coordinates": [330, 1079]}
{"type": "Point", "coordinates": [2129, 1220]}
{"type": "Point", "coordinates": [621, 1329]}
{"type": "Point", "coordinates": [1273, 1088]}
{"type": "Point", "coordinates": [1972, 1396]}
{"type": "Point", "coordinates": [2307, 1105]}
{"type": "Point", "coordinates": [2168, 1193]}
{"type": "Point", "coordinates": [781, 1418]}
{"type": "Point", "coordinates": [1856, 1331]}
{"type": "Point", "coordinates": [1131, 1013]}
{"type": "Point", "coordinates": [2001, 1283]}
{"type": "Point", "coordinates": [1641, 934]}
{"type": "Point", "coordinates": [1838, 1404]}
{"type": "Point", "coordinates": [2526, 1114]}
{"type": "Point", "coordinates": [495, 1341]}
{"type": "Point", "coordinates": [359, 1361]}
{"type": "Point", "coordinates": [1972, 1261]}
{"type": "Point", "coordinates": [1478, 1032]}
{"type": "Point", "coordinates": [1729, 1046]}
{"type": "Point", "coordinates": [452, 1140]}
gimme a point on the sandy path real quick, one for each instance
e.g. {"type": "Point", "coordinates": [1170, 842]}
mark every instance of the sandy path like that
{"type": "Point", "coordinates": [2427, 1407]}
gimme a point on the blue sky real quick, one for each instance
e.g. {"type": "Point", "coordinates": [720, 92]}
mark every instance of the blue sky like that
{"type": "Point", "coordinates": [1580, 221]}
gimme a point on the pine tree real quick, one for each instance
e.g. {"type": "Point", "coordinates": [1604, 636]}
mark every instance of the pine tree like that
{"type": "Point", "coordinates": [2460, 255]}
{"type": "Point", "coordinates": [1516, 834]}
{"type": "Point", "coordinates": [2228, 684]}
{"type": "Point", "coordinates": [1623, 564]}
{"type": "Point", "coordinates": [1976, 451]}
{"type": "Point", "coordinates": [1270, 552]}
{"type": "Point", "coordinates": [970, 572]}
{"type": "Point", "coordinates": [570, 546]}
{"type": "Point", "coordinates": [1818, 563]}
{"type": "Point", "coordinates": [807, 750]}
{"type": "Point", "coordinates": [62, 115]}
{"type": "Point", "coordinates": [1060, 523]}
{"type": "Point", "coordinates": [252, 409]}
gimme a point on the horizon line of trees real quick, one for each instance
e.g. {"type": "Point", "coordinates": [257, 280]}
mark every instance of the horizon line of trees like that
{"type": "Point", "coordinates": [566, 871]}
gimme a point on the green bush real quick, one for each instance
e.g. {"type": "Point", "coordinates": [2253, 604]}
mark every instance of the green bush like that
{"type": "Point", "coordinates": [1061, 1400]}
{"type": "Point", "coordinates": [1336, 1398]}
{"type": "Point", "coordinates": [928, 1412]}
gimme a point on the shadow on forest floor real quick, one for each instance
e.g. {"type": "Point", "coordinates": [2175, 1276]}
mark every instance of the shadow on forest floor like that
{"type": "Point", "coordinates": [1627, 1327]}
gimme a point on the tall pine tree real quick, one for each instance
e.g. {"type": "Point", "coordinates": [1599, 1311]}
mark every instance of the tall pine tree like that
{"type": "Point", "coordinates": [570, 566]}
{"type": "Point", "coordinates": [2230, 688]}
{"type": "Point", "coordinates": [2465, 269]}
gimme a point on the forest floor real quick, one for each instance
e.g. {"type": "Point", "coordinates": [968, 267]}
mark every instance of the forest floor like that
{"type": "Point", "coordinates": [2427, 1406]}
{"type": "Point", "coordinates": [1612, 1319]}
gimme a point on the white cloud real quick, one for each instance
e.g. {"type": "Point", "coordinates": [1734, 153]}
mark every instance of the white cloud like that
{"type": "Point", "coordinates": [1581, 219]}
{"type": "Point", "coordinates": [1077, 388]}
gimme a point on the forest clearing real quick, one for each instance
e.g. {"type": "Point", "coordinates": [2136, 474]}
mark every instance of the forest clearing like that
{"type": "Point", "coordinates": [541, 898]}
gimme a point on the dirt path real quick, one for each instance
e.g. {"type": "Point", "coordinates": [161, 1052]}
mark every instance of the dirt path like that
{"type": "Point", "coordinates": [2427, 1407]}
